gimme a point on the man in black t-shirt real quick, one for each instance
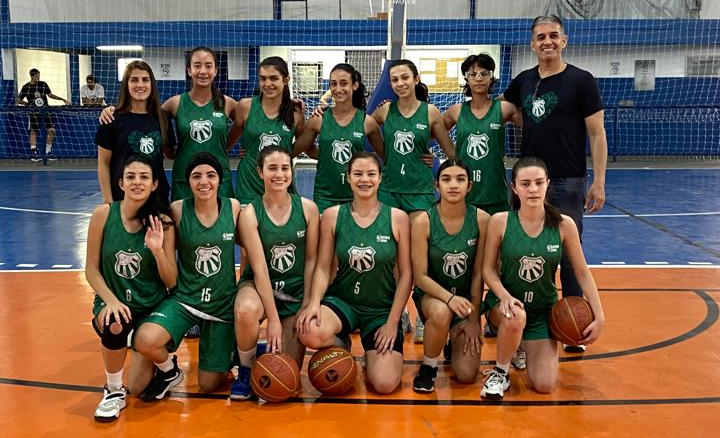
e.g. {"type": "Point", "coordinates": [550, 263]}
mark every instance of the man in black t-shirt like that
{"type": "Point", "coordinates": [561, 107]}
{"type": "Point", "coordinates": [35, 94]}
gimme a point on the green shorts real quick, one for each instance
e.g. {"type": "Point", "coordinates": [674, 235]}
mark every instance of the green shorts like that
{"type": "Point", "coordinates": [368, 321]}
{"type": "Point", "coordinates": [323, 204]}
{"type": "Point", "coordinates": [217, 339]}
{"type": "Point", "coordinates": [537, 324]}
{"type": "Point", "coordinates": [491, 209]}
{"type": "Point", "coordinates": [407, 202]}
{"type": "Point", "coordinates": [417, 297]}
{"type": "Point", "coordinates": [285, 308]}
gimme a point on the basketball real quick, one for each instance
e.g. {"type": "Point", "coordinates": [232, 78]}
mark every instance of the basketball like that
{"type": "Point", "coordinates": [332, 371]}
{"type": "Point", "coordinates": [275, 377]}
{"type": "Point", "coordinates": [568, 319]}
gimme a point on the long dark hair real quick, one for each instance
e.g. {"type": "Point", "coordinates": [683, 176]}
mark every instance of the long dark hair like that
{"type": "Point", "coordinates": [269, 150]}
{"type": "Point", "coordinates": [552, 214]}
{"type": "Point", "coordinates": [421, 90]}
{"type": "Point", "coordinates": [153, 106]}
{"type": "Point", "coordinates": [450, 162]}
{"type": "Point", "coordinates": [287, 108]}
{"type": "Point", "coordinates": [482, 60]}
{"type": "Point", "coordinates": [364, 154]}
{"type": "Point", "coordinates": [359, 96]}
{"type": "Point", "coordinates": [218, 98]}
{"type": "Point", "coordinates": [154, 205]}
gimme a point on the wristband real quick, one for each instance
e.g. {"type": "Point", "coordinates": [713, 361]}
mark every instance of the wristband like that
{"type": "Point", "coordinates": [447, 303]}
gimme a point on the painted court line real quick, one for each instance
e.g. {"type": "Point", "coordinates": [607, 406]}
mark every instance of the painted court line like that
{"type": "Point", "coordinates": [657, 263]}
{"type": "Point", "coordinates": [61, 266]}
{"type": "Point", "coordinates": [26, 265]}
{"type": "Point", "coordinates": [613, 263]}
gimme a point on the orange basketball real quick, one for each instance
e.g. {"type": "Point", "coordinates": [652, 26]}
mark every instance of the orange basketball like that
{"type": "Point", "coordinates": [569, 317]}
{"type": "Point", "coordinates": [332, 371]}
{"type": "Point", "coordinates": [275, 377]}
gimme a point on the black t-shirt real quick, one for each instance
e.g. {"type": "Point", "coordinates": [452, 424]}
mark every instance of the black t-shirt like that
{"type": "Point", "coordinates": [133, 134]}
{"type": "Point", "coordinates": [554, 111]}
{"type": "Point", "coordinates": [36, 94]}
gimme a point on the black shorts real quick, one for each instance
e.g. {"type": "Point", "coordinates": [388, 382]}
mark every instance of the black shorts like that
{"type": "Point", "coordinates": [37, 120]}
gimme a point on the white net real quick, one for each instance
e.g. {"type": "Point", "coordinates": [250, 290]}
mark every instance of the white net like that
{"type": "Point", "coordinates": [657, 62]}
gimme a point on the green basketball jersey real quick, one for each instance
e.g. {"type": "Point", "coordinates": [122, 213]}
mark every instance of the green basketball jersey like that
{"type": "Point", "coordinates": [284, 248]}
{"type": "Point", "coordinates": [366, 259]}
{"type": "Point", "coordinates": [337, 146]}
{"type": "Point", "coordinates": [200, 128]}
{"type": "Point", "coordinates": [481, 145]}
{"type": "Point", "coordinates": [206, 268]}
{"type": "Point", "coordinates": [528, 265]}
{"type": "Point", "coordinates": [451, 257]}
{"type": "Point", "coordinates": [128, 267]}
{"type": "Point", "coordinates": [406, 141]}
{"type": "Point", "coordinates": [259, 132]}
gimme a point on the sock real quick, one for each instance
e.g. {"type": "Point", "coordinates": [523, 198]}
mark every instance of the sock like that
{"type": "Point", "coordinates": [114, 380]}
{"type": "Point", "coordinates": [432, 361]}
{"type": "Point", "coordinates": [503, 366]}
{"type": "Point", "coordinates": [247, 358]}
{"type": "Point", "coordinates": [48, 148]}
{"type": "Point", "coordinates": [33, 147]}
{"type": "Point", "coordinates": [166, 366]}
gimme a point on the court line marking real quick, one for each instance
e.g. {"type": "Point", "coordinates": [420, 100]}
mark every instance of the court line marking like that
{"type": "Point", "coordinates": [31, 210]}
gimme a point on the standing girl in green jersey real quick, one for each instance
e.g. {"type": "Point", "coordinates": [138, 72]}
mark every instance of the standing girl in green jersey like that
{"type": "Point", "coordinates": [270, 119]}
{"type": "Point", "coordinates": [342, 132]}
{"type": "Point", "coordinates": [480, 135]}
{"type": "Point", "coordinates": [206, 285]}
{"type": "Point", "coordinates": [201, 118]}
{"type": "Point", "coordinates": [408, 125]}
{"type": "Point", "coordinates": [447, 253]}
{"type": "Point", "coordinates": [522, 252]}
{"type": "Point", "coordinates": [130, 265]}
{"type": "Point", "coordinates": [280, 233]}
{"type": "Point", "coordinates": [366, 240]}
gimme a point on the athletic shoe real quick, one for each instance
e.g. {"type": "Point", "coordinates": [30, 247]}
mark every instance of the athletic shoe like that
{"type": "Point", "coordinates": [518, 360]}
{"type": "Point", "coordinates": [447, 350]}
{"type": "Point", "coordinates": [574, 348]}
{"type": "Point", "coordinates": [193, 332]}
{"type": "Point", "coordinates": [111, 404]}
{"type": "Point", "coordinates": [424, 381]}
{"type": "Point", "coordinates": [50, 156]}
{"type": "Point", "coordinates": [495, 385]}
{"type": "Point", "coordinates": [405, 322]}
{"type": "Point", "coordinates": [489, 331]}
{"type": "Point", "coordinates": [419, 331]}
{"type": "Point", "coordinates": [162, 383]}
{"type": "Point", "coordinates": [241, 389]}
{"type": "Point", "coordinates": [260, 348]}
{"type": "Point", "coordinates": [35, 155]}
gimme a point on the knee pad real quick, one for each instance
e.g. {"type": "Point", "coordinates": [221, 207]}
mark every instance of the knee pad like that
{"type": "Point", "coordinates": [113, 341]}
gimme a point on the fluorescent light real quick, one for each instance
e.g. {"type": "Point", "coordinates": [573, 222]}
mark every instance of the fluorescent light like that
{"type": "Point", "coordinates": [120, 48]}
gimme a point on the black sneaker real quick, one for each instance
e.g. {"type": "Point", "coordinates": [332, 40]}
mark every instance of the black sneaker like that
{"type": "Point", "coordinates": [34, 155]}
{"type": "Point", "coordinates": [162, 383]}
{"type": "Point", "coordinates": [447, 350]}
{"type": "Point", "coordinates": [424, 381]}
{"type": "Point", "coordinates": [50, 156]}
{"type": "Point", "coordinates": [574, 348]}
{"type": "Point", "coordinates": [193, 332]}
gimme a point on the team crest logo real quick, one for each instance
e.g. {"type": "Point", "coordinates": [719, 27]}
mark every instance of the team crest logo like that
{"type": "Point", "coordinates": [147, 145]}
{"type": "Point", "coordinates": [454, 265]}
{"type": "Point", "coordinates": [269, 140]}
{"type": "Point", "coordinates": [540, 108]}
{"type": "Point", "coordinates": [531, 268]}
{"type": "Point", "coordinates": [341, 151]}
{"type": "Point", "coordinates": [362, 259]}
{"type": "Point", "coordinates": [477, 145]}
{"type": "Point", "coordinates": [404, 142]}
{"type": "Point", "coordinates": [201, 130]}
{"type": "Point", "coordinates": [207, 260]}
{"type": "Point", "coordinates": [283, 257]}
{"type": "Point", "coordinates": [127, 264]}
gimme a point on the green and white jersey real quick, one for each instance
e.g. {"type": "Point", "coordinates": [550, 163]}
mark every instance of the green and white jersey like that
{"type": "Point", "coordinates": [337, 146]}
{"type": "Point", "coordinates": [451, 257]}
{"type": "Point", "coordinates": [128, 266]}
{"type": "Point", "coordinates": [259, 133]}
{"type": "Point", "coordinates": [366, 260]}
{"type": "Point", "coordinates": [407, 139]}
{"type": "Point", "coordinates": [529, 264]}
{"type": "Point", "coordinates": [206, 263]}
{"type": "Point", "coordinates": [481, 145]}
{"type": "Point", "coordinates": [200, 128]}
{"type": "Point", "coordinates": [284, 248]}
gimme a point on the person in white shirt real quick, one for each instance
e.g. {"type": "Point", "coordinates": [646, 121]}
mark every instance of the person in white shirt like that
{"type": "Point", "coordinates": [92, 94]}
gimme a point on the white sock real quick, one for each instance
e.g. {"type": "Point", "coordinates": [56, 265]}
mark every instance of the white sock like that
{"type": "Point", "coordinates": [247, 358]}
{"type": "Point", "coordinates": [503, 366]}
{"type": "Point", "coordinates": [432, 361]}
{"type": "Point", "coordinates": [33, 147]}
{"type": "Point", "coordinates": [114, 380]}
{"type": "Point", "coordinates": [166, 366]}
{"type": "Point", "coordinates": [48, 148]}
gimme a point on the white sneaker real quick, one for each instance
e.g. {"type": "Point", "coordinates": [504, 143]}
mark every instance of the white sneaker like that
{"type": "Point", "coordinates": [419, 331]}
{"type": "Point", "coordinates": [111, 404]}
{"type": "Point", "coordinates": [518, 360]}
{"type": "Point", "coordinates": [495, 385]}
